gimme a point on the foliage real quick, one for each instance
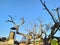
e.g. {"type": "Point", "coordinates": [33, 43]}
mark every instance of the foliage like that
{"type": "Point", "coordinates": [54, 42]}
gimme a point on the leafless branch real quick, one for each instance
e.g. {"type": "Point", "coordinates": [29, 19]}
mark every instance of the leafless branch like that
{"type": "Point", "coordinates": [43, 3]}
{"type": "Point", "coordinates": [57, 10]}
{"type": "Point", "coordinates": [11, 20]}
{"type": "Point", "coordinates": [34, 29]}
{"type": "Point", "coordinates": [21, 34]}
{"type": "Point", "coordinates": [27, 30]}
{"type": "Point", "coordinates": [22, 22]}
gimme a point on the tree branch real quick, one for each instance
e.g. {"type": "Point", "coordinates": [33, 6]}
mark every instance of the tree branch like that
{"type": "Point", "coordinates": [43, 3]}
{"type": "Point", "coordinates": [11, 20]}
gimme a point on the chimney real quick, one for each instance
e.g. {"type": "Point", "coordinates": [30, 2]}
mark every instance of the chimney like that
{"type": "Point", "coordinates": [11, 38]}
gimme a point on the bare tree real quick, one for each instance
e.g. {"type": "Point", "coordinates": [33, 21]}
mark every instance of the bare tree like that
{"type": "Point", "coordinates": [16, 27]}
{"type": "Point", "coordinates": [56, 25]}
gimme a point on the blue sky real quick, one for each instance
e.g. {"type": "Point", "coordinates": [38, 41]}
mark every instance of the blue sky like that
{"type": "Point", "coordinates": [29, 9]}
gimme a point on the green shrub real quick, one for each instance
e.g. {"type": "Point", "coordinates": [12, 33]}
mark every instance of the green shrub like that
{"type": "Point", "coordinates": [54, 42]}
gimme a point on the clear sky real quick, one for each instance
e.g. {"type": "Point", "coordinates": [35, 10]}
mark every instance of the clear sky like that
{"type": "Point", "coordinates": [29, 9]}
